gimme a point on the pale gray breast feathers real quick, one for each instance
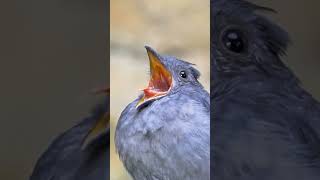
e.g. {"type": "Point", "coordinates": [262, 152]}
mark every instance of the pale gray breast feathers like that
{"type": "Point", "coordinates": [168, 140]}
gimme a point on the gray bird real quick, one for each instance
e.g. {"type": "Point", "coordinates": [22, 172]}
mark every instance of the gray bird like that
{"type": "Point", "coordinates": [165, 133]}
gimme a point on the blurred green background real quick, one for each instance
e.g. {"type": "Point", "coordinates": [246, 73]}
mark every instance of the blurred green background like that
{"type": "Point", "coordinates": [173, 27]}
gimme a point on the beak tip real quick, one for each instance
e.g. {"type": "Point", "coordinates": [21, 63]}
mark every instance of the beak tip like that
{"type": "Point", "coordinates": [150, 50]}
{"type": "Point", "coordinates": [153, 55]}
{"type": "Point", "coordinates": [146, 46]}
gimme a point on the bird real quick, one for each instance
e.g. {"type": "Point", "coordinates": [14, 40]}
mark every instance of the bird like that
{"type": "Point", "coordinates": [266, 126]}
{"type": "Point", "coordinates": [81, 152]}
{"type": "Point", "coordinates": [164, 134]}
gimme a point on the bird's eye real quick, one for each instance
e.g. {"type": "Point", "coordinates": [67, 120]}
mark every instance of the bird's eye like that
{"type": "Point", "coordinates": [234, 40]}
{"type": "Point", "coordinates": [183, 74]}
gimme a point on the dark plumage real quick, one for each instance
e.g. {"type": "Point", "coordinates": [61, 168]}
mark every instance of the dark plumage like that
{"type": "Point", "coordinates": [69, 157]}
{"type": "Point", "coordinates": [265, 125]}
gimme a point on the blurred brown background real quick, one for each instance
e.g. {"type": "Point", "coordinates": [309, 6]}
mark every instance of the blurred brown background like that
{"type": "Point", "coordinates": [53, 54]}
{"type": "Point", "coordinates": [173, 27]}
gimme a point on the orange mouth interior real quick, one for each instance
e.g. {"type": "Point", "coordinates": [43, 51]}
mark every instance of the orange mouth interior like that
{"type": "Point", "coordinates": [160, 80]}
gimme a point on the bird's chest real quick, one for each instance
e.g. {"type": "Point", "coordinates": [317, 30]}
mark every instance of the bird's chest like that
{"type": "Point", "coordinates": [165, 156]}
{"type": "Point", "coordinates": [167, 144]}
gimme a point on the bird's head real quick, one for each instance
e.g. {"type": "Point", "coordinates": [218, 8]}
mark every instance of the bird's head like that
{"type": "Point", "coordinates": [167, 75]}
{"type": "Point", "coordinates": [244, 41]}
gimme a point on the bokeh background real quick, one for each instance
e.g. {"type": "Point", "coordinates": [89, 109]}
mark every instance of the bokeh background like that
{"type": "Point", "coordinates": [173, 27]}
{"type": "Point", "coordinates": [54, 53]}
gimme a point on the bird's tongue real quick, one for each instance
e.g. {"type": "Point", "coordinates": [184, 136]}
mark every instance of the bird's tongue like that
{"type": "Point", "coordinates": [160, 79]}
{"type": "Point", "coordinates": [160, 82]}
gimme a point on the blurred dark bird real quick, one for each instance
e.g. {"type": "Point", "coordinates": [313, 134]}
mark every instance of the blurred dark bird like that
{"type": "Point", "coordinates": [80, 153]}
{"type": "Point", "coordinates": [265, 125]}
{"type": "Point", "coordinates": [165, 133]}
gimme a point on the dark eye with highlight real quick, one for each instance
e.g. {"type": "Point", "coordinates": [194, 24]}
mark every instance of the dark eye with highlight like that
{"type": "Point", "coordinates": [234, 40]}
{"type": "Point", "coordinates": [183, 74]}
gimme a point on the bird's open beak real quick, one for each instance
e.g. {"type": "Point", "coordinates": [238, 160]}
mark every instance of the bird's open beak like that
{"type": "Point", "coordinates": [99, 128]}
{"type": "Point", "coordinates": [160, 79]}
{"type": "Point", "coordinates": [101, 125]}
